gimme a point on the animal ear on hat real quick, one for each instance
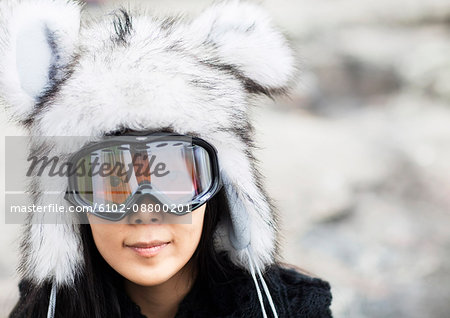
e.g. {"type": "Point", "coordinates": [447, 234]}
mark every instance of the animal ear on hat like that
{"type": "Point", "coordinates": [37, 39]}
{"type": "Point", "coordinates": [245, 43]}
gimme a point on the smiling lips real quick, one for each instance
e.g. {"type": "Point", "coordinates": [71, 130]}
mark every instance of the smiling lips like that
{"type": "Point", "coordinates": [148, 249]}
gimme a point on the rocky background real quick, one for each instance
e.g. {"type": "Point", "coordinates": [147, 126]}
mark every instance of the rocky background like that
{"type": "Point", "coordinates": [357, 158]}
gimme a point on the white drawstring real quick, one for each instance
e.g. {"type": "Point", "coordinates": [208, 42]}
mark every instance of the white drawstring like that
{"type": "Point", "coordinates": [52, 302]}
{"type": "Point", "coordinates": [266, 290]}
{"type": "Point", "coordinates": [252, 271]}
{"type": "Point", "coordinates": [263, 282]}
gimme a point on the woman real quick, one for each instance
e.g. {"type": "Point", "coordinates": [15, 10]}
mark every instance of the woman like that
{"type": "Point", "coordinates": [195, 235]}
{"type": "Point", "coordinates": [215, 288]}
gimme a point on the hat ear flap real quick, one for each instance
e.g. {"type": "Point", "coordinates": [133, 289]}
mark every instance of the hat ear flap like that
{"type": "Point", "coordinates": [37, 39]}
{"type": "Point", "coordinates": [251, 221]}
{"type": "Point", "coordinates": [246, 43]}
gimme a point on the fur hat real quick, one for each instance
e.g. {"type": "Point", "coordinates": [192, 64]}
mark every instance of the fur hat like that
{"type": "Point", "coordinates": [60, 77]}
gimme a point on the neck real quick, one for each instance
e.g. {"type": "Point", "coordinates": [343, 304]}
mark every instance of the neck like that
{"type": "Point", "coordinates": [162, 300]}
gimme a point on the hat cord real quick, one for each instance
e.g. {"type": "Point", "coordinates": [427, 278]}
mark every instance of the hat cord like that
{"type": "Point", "coordinates": [52, 302]}
{"type": "Point", "coordinates": [258, 290]}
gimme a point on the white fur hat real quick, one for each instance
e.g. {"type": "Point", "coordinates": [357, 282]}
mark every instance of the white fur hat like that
{"type": "Point", "coordinates": [135, 71]}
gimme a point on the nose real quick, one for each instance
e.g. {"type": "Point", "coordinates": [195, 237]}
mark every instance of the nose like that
{"type": "Point", "coordinates": [146, 212]}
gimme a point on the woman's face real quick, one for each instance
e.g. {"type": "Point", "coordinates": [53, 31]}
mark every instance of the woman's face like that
{"type": "Point", "coordinates": [126, 245]}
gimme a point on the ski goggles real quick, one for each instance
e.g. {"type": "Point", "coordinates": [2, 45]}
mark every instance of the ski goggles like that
{"type": "Point", "coordinates": [178, 173]}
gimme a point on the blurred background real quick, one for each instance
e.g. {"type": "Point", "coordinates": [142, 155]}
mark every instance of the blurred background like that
{"type": "Point", "coordinates": [357, 158]}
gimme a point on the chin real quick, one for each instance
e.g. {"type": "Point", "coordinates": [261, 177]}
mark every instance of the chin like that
{"type": "Point", "coordinates": [149, 278]}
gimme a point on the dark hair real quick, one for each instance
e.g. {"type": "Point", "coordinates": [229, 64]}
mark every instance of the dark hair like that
{"type": "Point", "coordinates": [95, 292]}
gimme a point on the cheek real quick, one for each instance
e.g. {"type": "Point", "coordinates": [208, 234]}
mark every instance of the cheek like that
{"type": "Point", "coordinates": [108, 239]}
{"type": "Point", "coordinates": [187, 236]}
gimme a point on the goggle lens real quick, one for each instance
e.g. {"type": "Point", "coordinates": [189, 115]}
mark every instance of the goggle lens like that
{"type": "Point", "coordinates": [176, 172]}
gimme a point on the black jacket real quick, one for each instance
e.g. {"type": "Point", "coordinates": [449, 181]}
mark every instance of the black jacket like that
{"type": "Point", "coordinates": [294, 295]}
